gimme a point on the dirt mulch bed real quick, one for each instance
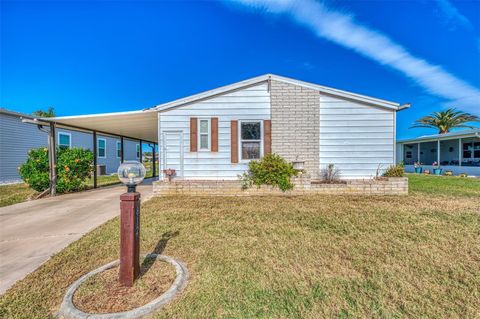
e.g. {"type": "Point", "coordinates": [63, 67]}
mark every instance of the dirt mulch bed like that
{"type": "Point", "coordinates": [103, 293]}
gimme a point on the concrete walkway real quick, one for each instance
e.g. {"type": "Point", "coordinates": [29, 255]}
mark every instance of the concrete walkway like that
{"type": "Point", "coordinates": [33, 231]}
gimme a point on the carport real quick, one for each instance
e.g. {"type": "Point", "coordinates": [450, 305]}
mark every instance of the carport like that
{"type": "Point", "coordinates": [134, 125]}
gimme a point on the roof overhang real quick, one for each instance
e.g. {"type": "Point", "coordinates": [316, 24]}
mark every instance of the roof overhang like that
{"type": "Point", "coordinates": [141, 125]}
{"type": "Point", "coordinates": [267, 77]}
{"type": "Point", "coordinates": [442, 137]}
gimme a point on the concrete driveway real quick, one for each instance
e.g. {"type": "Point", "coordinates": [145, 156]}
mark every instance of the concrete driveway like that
{"type": "Point", "coordinates": [33, 231]}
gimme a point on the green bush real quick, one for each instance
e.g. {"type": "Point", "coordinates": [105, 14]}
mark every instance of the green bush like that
{"type": "Point", "coordinates": [394, 171]}
{"type": "Point", "coordinates": [74, 167]}
{"type": "Point", "coordinates": [34, 171]}
{"type": "Point", "coordinates": [270, 170]}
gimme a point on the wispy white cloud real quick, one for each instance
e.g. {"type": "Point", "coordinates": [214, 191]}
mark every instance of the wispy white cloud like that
{"type": "Point", "coordinates": [453, 16]}
{"type": "Point", "coordinates": [343, 30]}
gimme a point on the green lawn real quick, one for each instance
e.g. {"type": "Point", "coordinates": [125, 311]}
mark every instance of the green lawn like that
{"type": "Point", "coordinates": [432, 185]}
{"type": "Point", "coordinates": [294, 257]}
{"type": "Point", "coordinates": [14, 193]}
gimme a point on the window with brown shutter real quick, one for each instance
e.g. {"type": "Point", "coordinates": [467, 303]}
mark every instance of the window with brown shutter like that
{"type": "Point", "coordinates": [193, 134]}
{"type": "Point", "coordinates": [234, 141]}
{"type": "Point", "coordinates": [214, 131]}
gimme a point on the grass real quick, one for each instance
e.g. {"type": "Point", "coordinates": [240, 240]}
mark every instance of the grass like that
{"type": "Point", "coordinates": [444, 185]}
{"type": "Point", "coordinates": [292, 257]}
{"type": "Point", "coordinates": [14, 193]}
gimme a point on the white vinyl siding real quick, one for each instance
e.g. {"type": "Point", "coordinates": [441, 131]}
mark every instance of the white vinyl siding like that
{"type": "Point", "coordinates": [252, 104]}
{"type": "Point", "coordinates": [357, 138]}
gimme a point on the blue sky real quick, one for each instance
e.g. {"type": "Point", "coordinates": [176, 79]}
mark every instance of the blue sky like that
{"type": "Point", "coordinates": [95, 57]}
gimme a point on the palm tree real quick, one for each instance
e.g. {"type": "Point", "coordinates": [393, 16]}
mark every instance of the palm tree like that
{"type": "Point", "coordinates": [446, 120]}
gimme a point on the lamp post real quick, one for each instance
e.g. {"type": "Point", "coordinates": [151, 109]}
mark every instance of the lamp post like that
{"type": "Point", "coordinates": [130, 173]}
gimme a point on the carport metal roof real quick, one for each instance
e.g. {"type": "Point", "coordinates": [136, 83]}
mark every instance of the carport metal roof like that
{"type": "Point", "coordinates": [141, 125]}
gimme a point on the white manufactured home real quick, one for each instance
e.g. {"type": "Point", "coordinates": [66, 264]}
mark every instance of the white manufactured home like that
{"type": "Point", "coordinates": [213, 135]}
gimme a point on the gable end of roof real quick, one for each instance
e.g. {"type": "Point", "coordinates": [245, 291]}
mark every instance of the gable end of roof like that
{"type": "Point", "coordinates": [267, 77]}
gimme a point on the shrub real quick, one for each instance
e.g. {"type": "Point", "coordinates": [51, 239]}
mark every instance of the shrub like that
{"type": "Point", "coordinates": [394, 171]}
{"type": "Point", "coordinates": [34, 171]}
{"type": "Point", "coordinates": [330, 174]}
{"type": "Point", "coordinates": [270, 170]}
{"type": "Point", "coordinates": [74, 167]}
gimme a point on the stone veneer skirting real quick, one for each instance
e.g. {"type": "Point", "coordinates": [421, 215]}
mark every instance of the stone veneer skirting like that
{"type": "Point", "coordinates": [303, 186]}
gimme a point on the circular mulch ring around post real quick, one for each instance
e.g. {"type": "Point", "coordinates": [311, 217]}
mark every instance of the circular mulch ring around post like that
{"type": "Point", "coordinates": [69, 311]}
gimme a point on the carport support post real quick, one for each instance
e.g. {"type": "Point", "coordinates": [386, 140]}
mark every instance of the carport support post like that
{"type": "Point", "coordinates": [94, 159]}
{"type": "Point", "coordinates": [52, 160]}
{"type": "Point", "coordinates": [121, 150]}
{"type": "Point", "coordinates": [154, 167]}
{"type": "Point", "coordinates": [140, 151]}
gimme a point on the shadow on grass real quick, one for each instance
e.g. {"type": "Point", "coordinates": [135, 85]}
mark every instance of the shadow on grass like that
{"type": "Point", "coordinates": [159, 248]}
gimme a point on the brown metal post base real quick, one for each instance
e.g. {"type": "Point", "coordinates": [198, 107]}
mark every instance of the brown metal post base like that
{"type": "Point", "coordinates": [129, 238]}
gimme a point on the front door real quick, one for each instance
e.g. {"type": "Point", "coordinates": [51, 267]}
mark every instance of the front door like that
{"type": "Point", "coordinates": [172, 147]}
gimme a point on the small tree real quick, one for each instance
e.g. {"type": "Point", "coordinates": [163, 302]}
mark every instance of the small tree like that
{"type": "Point", "coordinates": [74, 167]}
{"type": "Point", "coordinates": [48, 113]}
{"type": "Point", "coordinates": [270, 170]}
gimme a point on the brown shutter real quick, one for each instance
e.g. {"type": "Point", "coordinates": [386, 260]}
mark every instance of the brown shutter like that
{"type": "Point", "coordinates": [193, 134]}
{"type": "Point", "coordinates": [214, 132]}
{"type": "Point", "coordinates": [234, 141]}
{"type": "Point", "coordinates": [267, 136]}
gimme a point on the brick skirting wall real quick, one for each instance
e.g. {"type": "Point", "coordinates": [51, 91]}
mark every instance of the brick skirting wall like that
{"type": "Point", "coordinates": [303, 186]}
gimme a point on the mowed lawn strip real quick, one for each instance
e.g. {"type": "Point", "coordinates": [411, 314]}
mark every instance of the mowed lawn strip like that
{"type": "Point", "coordinates": [443, 185]}
{"type": "Point", "coordinates": [14, 193]}
{"type": "Point", "coordinates": [291, 257]}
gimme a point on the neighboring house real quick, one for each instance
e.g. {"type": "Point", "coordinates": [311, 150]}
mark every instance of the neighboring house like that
{"type": "Point", "coordinates": [459, 152]}
{"type": "Point", "coordinates": [17, 138]}
{"type": "Point", "coordinates": [214, 134]}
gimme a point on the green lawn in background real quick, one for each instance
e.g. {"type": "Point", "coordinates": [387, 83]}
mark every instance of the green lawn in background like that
{"type": "Point", "coordinates": [443, 185]}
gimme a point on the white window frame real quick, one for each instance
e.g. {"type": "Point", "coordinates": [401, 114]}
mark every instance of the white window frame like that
{"type": "Point", "coordinates": [98, 147]}
{"type": "Point", "coordinates": [199, 134]}
{"type": "Point", "coordinates": [137, 151]}
{"type": "Point", "coordinates": [69, 139]}
{"type": "Point", "coordinates": [119, 148]}
{"type": "Point", "coordinates": [240, 140]}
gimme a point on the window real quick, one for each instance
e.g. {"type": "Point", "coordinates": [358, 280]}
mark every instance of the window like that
{"type": "Point", "coordinates": [467, 150]}
{"type": "Point", "coordinates": [250, 140]}
{"type": "Point", "coordinates": [408, 154]}
{"type": "Point", "coordinates": [119, 149]}
{"type": "Point", "coordinates": [64, 140]}
{"type": "Point", "coordinates": [138, 150]}
{"type": "Point", "coordinates": [101, 147]}
{"type": "Point", "coordinates": [476, 149]}
{"type": "Point", "coordinates": [204, 134]}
